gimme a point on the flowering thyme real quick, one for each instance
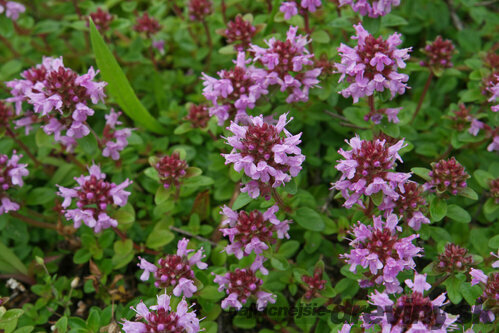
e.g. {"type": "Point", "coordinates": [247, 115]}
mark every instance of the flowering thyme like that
{"type": "Point", "coordinates": [11, 174]}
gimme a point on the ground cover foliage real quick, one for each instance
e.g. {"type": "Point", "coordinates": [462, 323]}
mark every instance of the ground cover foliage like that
{"type": "Point", "coordinates": [249, 166]}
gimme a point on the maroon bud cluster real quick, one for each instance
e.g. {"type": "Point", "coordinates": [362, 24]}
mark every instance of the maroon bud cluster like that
{"type": "Point", "coordinates": [162, 320]}
{"type": "Point", "coordinates": [448, 175]}
{"type": "Point", "coordinates": [258, 143]}
{"type": "Point", "coordinates": [494, 190]}
{"type": "Point", "coordinates": [414, 308]}
{"type": "Point", "coordinates": [241, 32]}
{"type": "Point", "coordinates": [461, 119]}
{"type": "Point", "coordinates": [372, 46]}
{"type": "Point", "coordinates": [171, 269]}
{"type": "Point", "coordinates": [6, 115]}
{"type": "Point", "coordinates": [314, 283]}
{"type": "Point", "coordinates": [454, 259]}
{"type": "Point", "coordinates": [94, 193]}
{"type": "Point", "coordinates": [199, 9]}
{"type": "Point", "coordinates": [63, 83]}
{"type": "Point", "coordinates": [253, 225]}
{"type": "Point", "coordinates": [490, 298]}
{"type": "Point", "coordinates": [439, 54]}
{"type": "Point", "coordinates": [243, 283]}
{"type": "Point", "coordinates": [147, 24]}
{"type": "Point", "coordinates": [102, 19]}
{"type": "Point", "coordinates": [373, 159]}
{"type": "Point", "coordinates": [5, 178]}
{"type": "Point", "coordinates": [410, 200]}
{"type": "Point", "coordinates": [171, 169]}
{"type": "Point", "coordinates": [325, 64]}
{"type": "Point", "coordinates": [198, 116]}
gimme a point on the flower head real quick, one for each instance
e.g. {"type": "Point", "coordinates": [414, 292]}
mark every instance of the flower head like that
{"type": "Point", "coordinates": [380, 248]}
{"type": "Point", "coordinates": [372, 65]}
{"type": "Point", "coordinates": [489, 299]}
{"type": "Point", "coordinates": [236, 91]}
{"type": "Point", "coordinates": [241, 285]}
{"type": "Point", "coordinates": [199, 9]}
{"type": "Point", "coordinates": [454, 259]}
{"type": "Point", "coordinates": [94, 198]}
{"type": "Point", "coordinates": [102, 19]}
{"type": "Point", "coordinates": [378, 114]}
{"type": "Point", "coordinates": [371, 8]}
{"type": "Point", "coordinates": [171, 169]}
{"type": "Point", "coordinates": [290, 8]}
{"type": "Point", "coordinates": [160, 318]}
{"type": "Point", "coordinates": [447, 175]}
{"type": "Point", "coordinates": [147, 24]}
{"type": "Point", "coordinates": [289, 65]}
{"type": "Point", "coordinates": [492, 89]}
{"type": "Point", "coordinates": [252, 232]}
{"type": "Point", "coordinates": [367, 169]}
{"type": "Point", "coordinates": [409, 204]}
{"type": "Point", "coordinates": [198, 116]}
{"type": "Point", "coordinates": [438, 54]}
{"type": "Point", "coordinates": [59, 97]}
{"type": "Point", "coordinates": [115, 140]}
{"type": "Point", "coordinates": [11, 175]}
{"type": "Point", "coordinates": [314, 284]}
{"type": "Point", "coordinates": [263, 153]}
{"type": "Point", "coordinates": [175, 270]}
{"type": "Point", "coordinates": [12, 9]}
{"type": "Point", "coordinates": [410, 312]}
{"type": "Point", "coordinates": [241, 32]}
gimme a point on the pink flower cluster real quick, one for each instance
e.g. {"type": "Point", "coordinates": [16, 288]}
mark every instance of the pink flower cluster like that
{"type": "Point", "coordinates": [439, 54]}
{"type": "Point", "coordinates": [447, 176]}
{"type": "Point", "coordinates": [12, 9]}
{"type": "Point", "coordinates": [114, 140]}
{"type": "Point", "coordinates": [251, 232]}
{"type": "Point", "coordinates": [175, 270]}
{"type": "Point", "coordinates": [148, 25]}
{"type": "Point", "coordinates": [236, 91]}
{"type": "Point", "coordinates": [94, 197]}
{"type": "Point", "coordinates": [367, 169]}
{"type": "Point", "coordinates": [289, 65]}
{"type": "Point", "coordinates": [102, 19]}
{"type": "Point", "coordinates": [372, 65]}
{"type": "Point", "coordinates": [290, 8]}
{"type": "Point", "coordinates": [241, 32]}
{"type": "Point", "coordinates": [378, 114]}
{"type": "Point", "coordinates": [268, 158]}
{"type": "Point", "coordinates": [490, 295]}
{"type": "Point", "coordinates": [493, 90]}
{"type": "Point", "coordinates": [171, 169]}
{"type": "Point", "coordinates": [371, 8]}
{"type": "Point", "coordinates": [59, 97]}
{"type": "Point", "coordinates": [380, 248]}
{"type": "Point", "coordinates": [11, 174]}
{"type": "Point", "coordinates": [241, 285]}
{"type": "Point", "coordinates": [160, 318]}
{"type": "Point", "coordinates": [199, 9]}
{"type": "Point", "coordinates": [408, 205]}
{"type": "Point", "coordinates": [410, 312]}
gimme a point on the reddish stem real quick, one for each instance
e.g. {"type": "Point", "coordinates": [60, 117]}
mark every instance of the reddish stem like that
{"type": "Point", "coordinates": [421, 98]}
{"type": "Point", "coordinates": [23, 146]}
{"type": "Point", "coordinates": [209, 41]}
{"type": "Point", "coordinates": [33, 222]}
{"type": "Point", "coordinates": [280, 202]}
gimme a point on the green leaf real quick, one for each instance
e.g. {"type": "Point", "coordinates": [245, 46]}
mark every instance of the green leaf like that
{"type": "Point", "coordinates": [123, 253]}
{"type": "Point", "coordinates": [159, 237]}
{"type": "Point", "coordinates": [453, 286]}
{"type": "Point", "coordinates": [211, 293]}
{"type": "Point", "coordinates": [82, 256]}
{"type": "Point", "coordinates": [8, 322]}
{"type": "Point", "coordinates": [309, 219]}
{"type": "Point", "coordinates": [422, 172]}
{"type": "Point", "coordinates": [469, 193]}
{"type": "Point", "coordinates": [494, 242]}
{"type": "Point", "coordinates": [438, 209]}
{"type": "Point", "coordinates": [118, 86]}
{"type": "Point", "coordinates": [245, 322]}
{"type": "Point", "coordinates": [312, 241]}
{"type": "Point", "coordinates": [41, 196]}
{"type": "Point", "coordinates": [289, 248]}
{"type": "Point", "coordinates": [162, 194]}
{"type": "Point", "coordinates": [470, 293]}
{"type": "Point", "coordinates": [392, 20]}
{"type": "Point", "coordinates": [458, 214]}
{"type": "Point", "coordinates": [490, 206]}
{"type": "Point", "coordinates": [279, 263]}
{"type": "Point", "coordinates": [483, 178]}
{"type": "Point", "coordinates": [242, 200]}
{"type": "Point", "coordinates": [9, 262]}
{"type": "Point", "coordinates": [62, 325]}
{"type": "Point", "coordinates": [320, 36]}
{"type": "Point", "coordinates": [182, 129]}
{"type": "Point", "coordinates": [291, 187]}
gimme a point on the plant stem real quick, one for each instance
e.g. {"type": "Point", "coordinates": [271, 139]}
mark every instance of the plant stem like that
{"type": "Point", "coordinates": [307, 29]}
{"type": "Point", "coordinates": [23, 147]}
{"type": "Point", "coordinates": [183, 232]}
{"type": "Point", "coordinates": [33, 222]}
{"type": "Point", "coordinates": [372, 107]}
{"type": "Point", "coordinates": [421, 98]}
{"type": "Point", "coordinates": [209, 41]}
{"type": "Point", "coordinates": [279, 201]}
{"type": "Point", "coordinates": [224, 8]}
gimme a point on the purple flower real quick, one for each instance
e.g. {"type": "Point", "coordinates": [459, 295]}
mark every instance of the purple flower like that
{"type": "Point", "coordinates": [160, 318]}
{"type": "Point", "coordinates": [113, 139]}
{"type": "Point", "coordinates": [447, 175]}
{"type": "Point", "coordinates": [372, 65]}
{"type": "Point", "coordinates": [476, 126]}
{"type": "Point", "coordinates": [252, 232]}
{"type": "Point", "coordinates": [289, 9]}
{"type": "Point", "coordinates": [410, 312]}
{"type": "Point", "coordinates": [94, 197]}
{"type": "Point", "coordinates": [493, 89]}
{"type": "Point", "coordinates": [11, 174]}
{"type": "Point", "coordinates": [12, 9]}
{"type": "Point", "coordinates": [494, 145]}
{"type": "Point", "coordinates": [59, 97]}
{"type": "Point", "coordinates": [159, 45]}
{"type": "Point", "coordinates": [236, 90]}
{"type": "Point", "coordinates": [380, 248]}
{"type": "Point", "coordinates": [263, 154]}
{"type": "Point", "coordinates": [288, 64]}
{"type": "Point", "coordinates": [175, 270]}
{"type": "Point", "coordinates": [367, 170]}
{"type": "Point", "coordinates": [477, 276]}
{"type": "Point", "coordinates": [373, 9]}
{"type": "Point", "coordinates": [377, 115]}
{"type": "Point", "coordinates": [241, 285]}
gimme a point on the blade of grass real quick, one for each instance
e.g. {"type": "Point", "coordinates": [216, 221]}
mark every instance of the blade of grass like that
{"type": "Point", "coordinates": [9, 262]}
{"type": "Point", "coordinates": [118, 86]}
